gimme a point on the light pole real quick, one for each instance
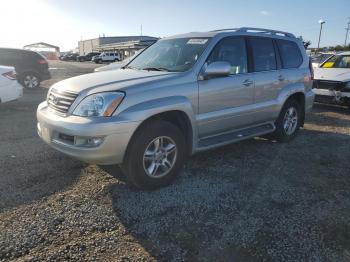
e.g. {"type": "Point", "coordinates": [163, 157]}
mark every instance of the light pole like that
{"type": "Point", "coordinates": [319, 37]}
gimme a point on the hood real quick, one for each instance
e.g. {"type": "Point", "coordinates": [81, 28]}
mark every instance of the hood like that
{"type": "Point", "coordinates": [111, 66]}
{"type": "Point", "coordinates": [332, 74]}
{"type": "Point", "coordinates": [111, 80]}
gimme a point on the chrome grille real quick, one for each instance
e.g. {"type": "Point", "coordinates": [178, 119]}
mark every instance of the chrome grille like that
{"type": "Point", "coordinates": [60, 101]}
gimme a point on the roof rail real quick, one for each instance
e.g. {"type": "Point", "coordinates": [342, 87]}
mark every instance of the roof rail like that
{"type": "Point", "coordinates": [257, 30]}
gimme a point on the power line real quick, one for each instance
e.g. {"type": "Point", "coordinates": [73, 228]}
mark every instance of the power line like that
{"type": "Point", "coordinates": [347, 31]}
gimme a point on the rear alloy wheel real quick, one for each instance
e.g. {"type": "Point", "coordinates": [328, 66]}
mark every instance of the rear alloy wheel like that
{"type": "Point", "coordinates": [288, 122]}
{"type": "Point", "coordinates": [155, 155]}
{"type": "Point", "coordinates": [31, 81]}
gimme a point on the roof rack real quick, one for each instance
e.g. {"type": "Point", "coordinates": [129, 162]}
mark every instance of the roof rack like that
{"type": "Point", "coordinates": [257, 30]}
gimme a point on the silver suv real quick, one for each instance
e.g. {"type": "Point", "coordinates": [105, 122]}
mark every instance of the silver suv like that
{"type": "Point", "coordinates": [182, 95]}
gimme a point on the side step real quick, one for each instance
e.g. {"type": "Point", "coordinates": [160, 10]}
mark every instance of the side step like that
{"type": "Point", "coordinates": [234, 136]}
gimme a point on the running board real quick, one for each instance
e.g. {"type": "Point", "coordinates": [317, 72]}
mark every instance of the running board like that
{"type": "Point", "coordinates": [228, 138]}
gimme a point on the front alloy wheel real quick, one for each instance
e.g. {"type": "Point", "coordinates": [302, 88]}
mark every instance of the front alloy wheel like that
{"type": "Point", "coordinates": [155, 155]}
{"type": "Point", "coordinates": [159, 157]}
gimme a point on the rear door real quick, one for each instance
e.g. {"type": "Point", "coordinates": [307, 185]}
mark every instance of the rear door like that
{"type": "Point", "coordinates": [268, 78]}
{"type": "Point", "coordinates": [223, 101]}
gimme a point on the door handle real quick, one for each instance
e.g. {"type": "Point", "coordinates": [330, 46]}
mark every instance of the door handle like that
{"type": "Point", "coordinates": [247, 82]}
{"type": "Point", "coordinates": [281, 78]}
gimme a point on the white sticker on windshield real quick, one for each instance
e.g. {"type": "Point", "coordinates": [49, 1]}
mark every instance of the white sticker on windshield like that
{"type": "Point", "coordinates": [197, 41]}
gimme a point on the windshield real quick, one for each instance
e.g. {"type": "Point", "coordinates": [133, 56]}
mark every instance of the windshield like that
{"type": "Point", "coordinates": [321, 58]}
{"type": "Point", "coordinates": [175, 55]}
{"type": "Point", "coordinates": [337, 61]}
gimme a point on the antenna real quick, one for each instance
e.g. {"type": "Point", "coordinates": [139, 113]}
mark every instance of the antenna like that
{"type": "Point", "coordinates": [347, 31]}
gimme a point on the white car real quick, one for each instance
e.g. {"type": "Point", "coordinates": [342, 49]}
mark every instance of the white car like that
{"type": "Point", "coordinates": [107, 57]}
{"type": "Point", "coordinates": [320, 58]}
{"type": "Point", "coordinates": [332, 80]}
{"type": "Point", "coordinates": [10, 89]}
{"type": "Point", "coordinates": [117, 65]}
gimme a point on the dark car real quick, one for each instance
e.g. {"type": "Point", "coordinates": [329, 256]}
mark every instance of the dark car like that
{"type": "Point", "coordinates": [87, 57]}
{"type": "Point", "coordinates": [31, 67]}
{"type": "Point", "coordinates": [69, 57]}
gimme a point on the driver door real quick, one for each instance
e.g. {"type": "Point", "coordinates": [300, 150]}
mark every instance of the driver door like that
{"type": "Point", "coordinates": [224, 101]}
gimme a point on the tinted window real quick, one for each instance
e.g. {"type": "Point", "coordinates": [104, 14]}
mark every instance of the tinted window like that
{"type": "Point", "coordinates": [290, 54]}
{"type": "Point", "coordinates": [264, 57]}
{"type": "Point", "coordinates": [233, 51]}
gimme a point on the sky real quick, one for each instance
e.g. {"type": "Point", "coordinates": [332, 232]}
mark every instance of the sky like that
{"type": "Point", "coordinates": [64, 22]}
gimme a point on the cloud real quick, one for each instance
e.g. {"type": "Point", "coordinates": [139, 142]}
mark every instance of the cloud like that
{"type": "Point", "coordinates": [263, 12]}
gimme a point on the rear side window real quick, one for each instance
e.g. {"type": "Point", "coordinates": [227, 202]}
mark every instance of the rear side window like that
{"type": "Point", "coordinates": [290, 54]}
{"type": "Point", "coordinates": [264, 57]}
{"type": "Point", "coordinates": [233, 51]}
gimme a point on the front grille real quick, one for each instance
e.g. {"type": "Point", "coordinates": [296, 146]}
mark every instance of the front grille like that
{"type": "Point", "coordinates": [329, 85]}
{"type": "Point", "coordinates": [60, 101]}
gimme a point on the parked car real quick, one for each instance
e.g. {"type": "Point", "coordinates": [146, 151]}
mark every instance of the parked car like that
{"type": "Point", "coordinates": [10, 89]}
{"type": "Point", "coordinates": [332, 80]}
{"type": "Point", "coordinates": [182, 95]}
{"type": "Point", "coordinates": [320, 58]}
{"type": "Point", "coordinates": [31, 67]}
{"type": "Point", "coordinates": [117, 65]}
{"type": "Point", "coordinates": [107, 57]}
{"type": "Point", "coordinates": [69, 57]}
{"type": "Point", "coordinates": [87, 57]}
{"type": "Point", "coordinates": [62, 54]}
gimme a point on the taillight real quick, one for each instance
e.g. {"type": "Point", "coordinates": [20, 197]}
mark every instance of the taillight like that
{"type": "Point", "coordinates": [42, 61]}
{"type": "Point", "coordinates": [10, 75]}
{"type": "Point", "coordinates": [311, 69]}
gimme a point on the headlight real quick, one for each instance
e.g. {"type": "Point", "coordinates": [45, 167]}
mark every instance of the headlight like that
{"type": "Point", "coordinates": [100, 104]}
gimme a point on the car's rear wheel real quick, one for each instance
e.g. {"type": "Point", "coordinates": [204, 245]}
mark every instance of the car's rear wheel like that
{"type": "Point", "coordinates": [30, 80]}
{"type": "Point", "coordinates": [155, 155]}
{"type": "Point", "coordinates": [288, 122]}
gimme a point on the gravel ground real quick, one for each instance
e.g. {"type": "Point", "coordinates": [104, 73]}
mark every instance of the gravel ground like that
{"type": "Point", "coordinates": [252, 201]}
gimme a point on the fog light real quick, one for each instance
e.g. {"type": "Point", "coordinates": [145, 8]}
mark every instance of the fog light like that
{"type": "Point", "coordinates": [88, 141]}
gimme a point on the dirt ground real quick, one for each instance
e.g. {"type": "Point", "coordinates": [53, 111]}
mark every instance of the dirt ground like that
{"type": "Point", "coordinates": [252, 201]}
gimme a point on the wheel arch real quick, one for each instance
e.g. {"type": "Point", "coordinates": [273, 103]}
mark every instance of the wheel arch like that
{"type": "Point", "coordinates": [298, 96]}
{"type": "Point", "coordinates": [176, 117]}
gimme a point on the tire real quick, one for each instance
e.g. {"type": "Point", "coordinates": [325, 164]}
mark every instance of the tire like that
{"type": "Point", "coordinates": [147, 166]}
{"type": "Point", "coordinates": [288, 122]}
{"type": "Point", "coordinates": [30, 80]}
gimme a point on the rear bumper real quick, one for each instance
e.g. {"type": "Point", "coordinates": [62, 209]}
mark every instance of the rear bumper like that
{"type": "Point", "coordinates": [61, 133]}
{"type": "Point", "coordinates": [45, 75]}
{"type": "Point", "coordinates": [309, 100]}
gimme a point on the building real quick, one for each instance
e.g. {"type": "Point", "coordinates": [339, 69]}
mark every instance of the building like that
{"type": "Point", "coordinates": [51, 52]}
{"type": "Point", "coordinates": [125, 45]}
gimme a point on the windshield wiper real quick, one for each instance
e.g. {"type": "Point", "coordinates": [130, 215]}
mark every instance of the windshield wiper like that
{"type": "Point", "coordinates": [128, 67]}
{"type": "Point", "coordinates": [156, 69]}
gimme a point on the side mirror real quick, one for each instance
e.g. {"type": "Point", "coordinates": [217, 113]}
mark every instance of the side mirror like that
{"type": "Point", "coordinates": [217, 69]}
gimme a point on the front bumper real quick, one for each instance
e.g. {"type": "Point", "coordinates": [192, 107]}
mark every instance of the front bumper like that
{"type": "Point", "coordinates": [331, 96]}
{"type": "Point", "coordinates": [62, 132]}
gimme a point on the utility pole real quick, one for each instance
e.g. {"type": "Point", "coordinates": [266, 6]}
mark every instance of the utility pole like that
{"type": "Point", "coordinates": [347, 31]}
{"type": "Point", "coordinates": [321, 22]}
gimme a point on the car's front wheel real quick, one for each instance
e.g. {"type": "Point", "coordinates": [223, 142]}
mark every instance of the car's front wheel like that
{"type": "Point", "coordinates": [155, 155]}
{"type": "Point", "coordinates": [30, 80]}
